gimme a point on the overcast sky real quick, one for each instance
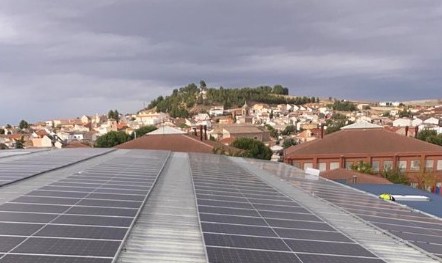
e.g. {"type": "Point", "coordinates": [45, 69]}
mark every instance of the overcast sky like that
{"type": "Point", "coordinates": [66, 58]}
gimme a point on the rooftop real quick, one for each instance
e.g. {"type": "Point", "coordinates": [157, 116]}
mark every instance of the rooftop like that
{"type": "Point", "coordinates": [364, 141]}
{"type": "Point", "coordinates": [107, 205]}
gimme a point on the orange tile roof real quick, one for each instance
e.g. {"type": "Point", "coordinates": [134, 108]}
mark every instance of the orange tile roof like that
{"type": "Point", "coordinates": [363, 141]}
{"type": "Point", "coordinates": [169, 142]}
{"type": "Point", "coordinates": [347, 175]}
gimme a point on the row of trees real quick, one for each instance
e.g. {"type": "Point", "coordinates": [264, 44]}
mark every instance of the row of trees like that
{"type": "Point", "coordinates": [115, 138]}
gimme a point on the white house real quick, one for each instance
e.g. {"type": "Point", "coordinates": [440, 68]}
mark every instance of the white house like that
{"type": "Point", "coordinates": [216, 111]}
{"type": "Point", "coordinates": [402, 122]}
{"type": "Point", "coordinates": [151, 118]}
{"type": "Point", "coordinates": [432, 121]}
{"type": "Point", "coordinates": [416, 122]}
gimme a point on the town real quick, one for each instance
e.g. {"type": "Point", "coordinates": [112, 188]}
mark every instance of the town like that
{"type": "Point", "coordinates": [280, 127]}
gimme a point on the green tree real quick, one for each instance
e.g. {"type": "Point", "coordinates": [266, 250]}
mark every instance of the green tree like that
{"type": "Point", "coordinates": [336, 122]}
{"type": "Point", "coordinates": [395, 176]}
{"type": "Point", "coordinates": [23, 125]}
{"type": "Point", "coordinates": [8, 126]}
{"type": "Point", "coordinates": [362, 167]}
{"type": "Point", "coordinates": [430, 136]}
{"type": "Point", "coordinates": [143, 130]}
{"type": "Point", "coordinates": [2, 131]}
{"type": "Point", "coordinates": [112, 139]}
{"type": "Point", "coordinates": [343, 106]}
{"type": "Point", "coordinates": [289, 142]}
{"type": "Point", "coordinates": [273, 132]}
{"type": "Point", "coordinates": [289, 130]}
{"type": "Point", "coordinates": [253, 148]}
{"type": "Point", "coordinates": [405, 113]}
{"type": "Point", "coordinates": [203, 85]}
{"type": "Point", "coordinates": [114, 115]}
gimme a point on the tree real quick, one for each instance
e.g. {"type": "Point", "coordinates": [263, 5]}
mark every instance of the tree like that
{"type": "Point", "coordinates": [112, 139]}
{"type": "Point", "coordinates": [273, 131]}
{"type": "Point", "coordinates": [2, 131]}
{"type": "Point", "coordinates": [430, 136]}
{"type": "Point", "coordinates": [114, 115]}
{"type": "Point", "coordinates": [8, 126]}
{"type": "Point", "coordinates": [23, 124]}
{"type": "Point", "coordinates": [289, 142]}
{"type": "Point", "coordinates": [405, 113]}
{"type": "Point", "coordinates": [203, 85]}
{"type": "Point", "coordinates": [343, 106]}
{"type": "Point", "coordinates": [395, 176]}
{"type": "Point", "coordinates": [253, 148]}
{"type": "Point", "coordinates": [336, 122]}
{"type": "Point", "coordinates": [143, 130]}
{"type": "Point", "coordinates": [289, 130]}
{"type": "Point", "coordinates": [362, 167]}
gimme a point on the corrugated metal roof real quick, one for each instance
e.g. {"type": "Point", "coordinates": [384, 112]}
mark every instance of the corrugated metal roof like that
{"type": "Point", "coordinates": [168, 228]}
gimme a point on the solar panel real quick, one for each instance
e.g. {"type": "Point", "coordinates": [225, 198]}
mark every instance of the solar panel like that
{"type": "Point", "coordinates": [82, 232]}
{"type": "Point", "coordinates": [217, 254]}
{"type": "Point", "coordinates": [34, 164]}
{"type": "Point", "coordinates": [73, 222]}
{"type": "Point", "coordinates": [417, 228]}
{"type": "Point", "coordinates": [53, 259]}
{"type": "Point", "coordinates": [336, 259]}
{"type": "Point", "coordinates": [56, 246]}
{"type": "Point", "coordinates": [7, 243]}
{"type": "Point", "coordinates": [93, 220]}
{"type": "Point", "coordinates": [19, 229]}
{"type": "Point", "coordinates": [245, 220]}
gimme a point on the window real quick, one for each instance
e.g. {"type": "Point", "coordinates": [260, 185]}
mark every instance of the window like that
{"type": "Point", "coordinates": [322, 166]}
{"type": "Point", "coordinates": [375, 166]}
{"type": "Point", "coordinates": [402, 165]}
{"type": "Point", "coordinates": [308, 165]}
{"type": "Point", "coordinates": [297, 164]}
{"type": "Point", "coordinates": [429, 165]}
{"type": "Point", "coordinates": [388, 165]}
{"type": "Point", "coordinates": [334, 165]}
{"type": "Point", "coordinates": [348, 165]}
{"type": "Point", "coordinates": [439, 165]}
{"type": "Point", "coordinates": [415, 165]}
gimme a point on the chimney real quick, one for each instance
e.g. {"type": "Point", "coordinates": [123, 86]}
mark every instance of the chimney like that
{"type": "Point", "coordinates": [201, 132]}
{"type": "Point", "coordinates": [355, 179]}
{"type": "Point", "coordinates": [416, 130]}
{"type": "Point", "coordinates": [205, 132]}
{"type": "Point", "coordinates": [322, 131]}
{"type": "Point", "coordinates": [406, 131]}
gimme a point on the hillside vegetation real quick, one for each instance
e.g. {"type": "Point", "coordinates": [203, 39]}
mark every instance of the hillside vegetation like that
{"type": "Point", "coordinates": [182, 100]}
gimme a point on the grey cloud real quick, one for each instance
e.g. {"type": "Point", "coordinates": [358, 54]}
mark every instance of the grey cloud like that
{"type": "Point", "coordinates": [114, 53]}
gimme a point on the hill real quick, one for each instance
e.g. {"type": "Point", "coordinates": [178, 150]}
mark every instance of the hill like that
{"type": "Point", "coordinates": [192, 98]}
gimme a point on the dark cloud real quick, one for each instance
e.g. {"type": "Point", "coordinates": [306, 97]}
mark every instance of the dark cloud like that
{"type": "Point", "coordinates": [66, 58]}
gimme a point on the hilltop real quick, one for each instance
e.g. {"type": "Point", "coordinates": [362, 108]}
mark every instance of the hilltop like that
{"type": "Point", "coordinates": [193, 99]}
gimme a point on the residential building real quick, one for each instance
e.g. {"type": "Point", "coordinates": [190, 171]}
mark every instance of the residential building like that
{"type": "Point", "coordinates": [372, 144]}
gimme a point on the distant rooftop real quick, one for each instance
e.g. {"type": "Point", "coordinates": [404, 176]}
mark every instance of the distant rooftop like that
{"type": "Point", "coordinates": [362, 125]}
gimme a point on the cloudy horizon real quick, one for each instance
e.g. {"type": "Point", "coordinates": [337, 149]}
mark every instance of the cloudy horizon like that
{"type": "Point", "coordinates": [61, 59]}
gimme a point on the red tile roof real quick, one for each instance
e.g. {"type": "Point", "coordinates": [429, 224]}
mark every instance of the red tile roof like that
{"type": "Point", "coordinates": [347, 175]}
{"type": "Point", "coordinates": [363, 141]}
{"type": "Point", "coordinates": [169, 142]}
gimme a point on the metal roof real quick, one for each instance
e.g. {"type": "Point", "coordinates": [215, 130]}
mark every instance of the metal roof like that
{"type": "Point", "coordinates": [157, 206]}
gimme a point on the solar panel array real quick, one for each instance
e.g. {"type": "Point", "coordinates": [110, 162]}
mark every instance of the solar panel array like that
{"type": "Point", "coordinates": [419, 229]}
{"type": "Point", "coordinates": [245, 220]}
{"type": "Point", "coordinates": [34, 164]}
{"type": "Point", "coordinates": [82, 218]}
